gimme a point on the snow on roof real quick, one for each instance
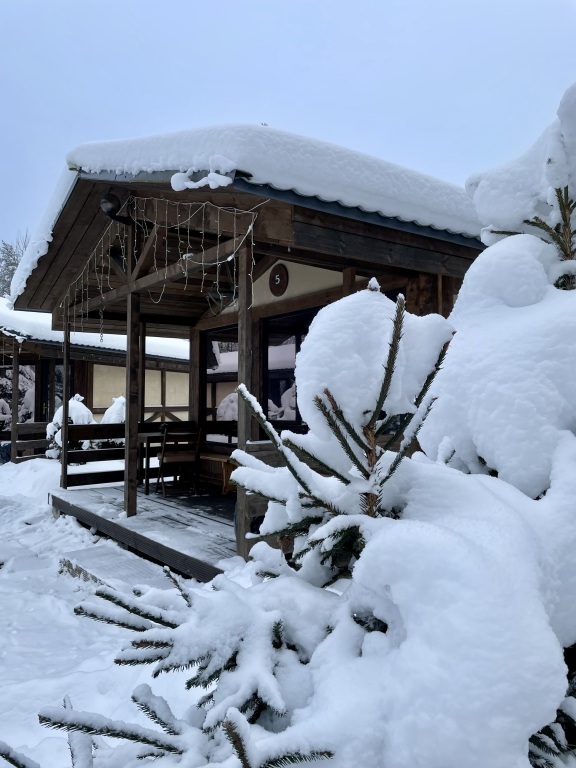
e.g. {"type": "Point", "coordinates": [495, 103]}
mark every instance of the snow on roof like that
{"type": "Point", "coordinates": [505, 197]}
{"type": "Point", "coordinates": [37, 326]}
{"type": "Point", "coordinates": [286, 161]}
{"type": "Point", "coordinates": [275, 158]}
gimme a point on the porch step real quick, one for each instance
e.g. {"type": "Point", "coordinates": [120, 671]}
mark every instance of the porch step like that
{"type": "Point", "coordinates": [114, 567]}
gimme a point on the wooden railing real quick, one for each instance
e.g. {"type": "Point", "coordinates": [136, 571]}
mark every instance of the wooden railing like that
{"type": "Point", "coordinates": [105, 435]}
{"type": "Point", "coordinates": [29, 442]}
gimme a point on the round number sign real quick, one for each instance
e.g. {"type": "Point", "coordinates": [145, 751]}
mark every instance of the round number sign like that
{"type": "Point", "coordinates": [278, 280]}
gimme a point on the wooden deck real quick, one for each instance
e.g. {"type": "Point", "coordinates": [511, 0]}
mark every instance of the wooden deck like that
{"type": "Point", "coordinates": [190, 535]}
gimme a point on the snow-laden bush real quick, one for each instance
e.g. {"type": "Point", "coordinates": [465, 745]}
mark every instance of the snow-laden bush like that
{"type": "Point", "coordinates": [78, 413]}
{"type": "Point", "coordinates": [115, 413]}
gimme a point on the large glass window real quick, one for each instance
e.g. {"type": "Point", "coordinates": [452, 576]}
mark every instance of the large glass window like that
{"type": "Point", "coordinates": [284, 335]}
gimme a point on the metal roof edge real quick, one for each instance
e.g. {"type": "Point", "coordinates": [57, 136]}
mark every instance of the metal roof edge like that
{"type": "Point", "coordinates": [357, 214]}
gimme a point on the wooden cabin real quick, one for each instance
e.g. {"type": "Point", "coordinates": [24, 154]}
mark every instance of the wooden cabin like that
{"type": "Point", "coordinates": [232, 238]}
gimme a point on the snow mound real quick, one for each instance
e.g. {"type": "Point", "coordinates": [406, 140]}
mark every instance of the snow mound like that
{"type": "Point", "coordinates": [335, 354]}
{"type": "Point", "coordinates": [505, 197]}
{"type": "Point", "coordinates": [505, 395]}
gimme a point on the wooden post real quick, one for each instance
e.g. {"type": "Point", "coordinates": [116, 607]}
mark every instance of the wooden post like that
{"type": "Point", "coordinates": [15, 398]}
{"type": "Point", "coordinates": [132, 403]}
{"type": "Point", "coordinates": [244, 377]}
{"type": "Point", "coordinates": [142, 375]}
{"type": "Point", "coordinates": [244, 342]}
{"type": "Point", "coordinates": [348, 281]}
{"type": "Point", "coordinates": [65, 404]}
{"type": "Point", "coordinates": [51, 391]}
{"type": "Point", "coordinates": [194, 377]}
{"type": "Point", "coordinates": [439, 295]}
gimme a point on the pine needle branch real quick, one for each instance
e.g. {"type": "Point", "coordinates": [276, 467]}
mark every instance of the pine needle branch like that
{"type": "Point", "coordinates": [150, 656]}
{"type": "Point", "coordinates": [106, 727]}
{"type": "Point", "coordinates": [295, 758]}
{"type": "Point", "coordinates": [394, 347]}
{"type": "Point", "coordinates": [339, 414]}
{"type": "Point", "coordinates": [152, 713]}
{"type": "Point", "coordinates": [157, 617]}
{"type": "Point", "coordinates": [16, 759]}
{"type": "Point", "coordinates": [168, 573]}
{"type": "Point", "coordinates": [340, 436]}
{"type": "Point", "coordinates": [237, 742]}
{"type": "Point", "coordinates": [126, 623]}
{"type": "Point", "coordinates": [274, 438]}
{"type": "Point", "coordinates": [305, 455]}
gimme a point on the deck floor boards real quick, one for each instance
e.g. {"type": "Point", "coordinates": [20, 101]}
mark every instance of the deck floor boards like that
{"type": "Point", "coordinates": [191, 535]}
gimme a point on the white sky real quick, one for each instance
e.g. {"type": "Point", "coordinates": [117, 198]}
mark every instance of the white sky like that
{"type": "Point", "coordinates": [446, 87]}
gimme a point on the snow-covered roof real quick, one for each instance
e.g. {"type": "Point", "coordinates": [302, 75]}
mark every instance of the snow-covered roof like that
{"type": "Point", "coordinates": [286, 161]}
{"type": "Point", "coordinates": [37, 326]}
{"type": "Point", "coordinates": [276, 159]}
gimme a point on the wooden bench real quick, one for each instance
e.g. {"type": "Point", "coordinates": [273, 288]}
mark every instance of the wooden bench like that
{"type": "Point", "coordinates": [217, 465]}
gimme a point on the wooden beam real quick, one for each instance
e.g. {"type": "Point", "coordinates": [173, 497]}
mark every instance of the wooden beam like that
{"type": "Point", "coordinates": [209, 258]}
{"type": "Point", "coordinates": [131, 426]}
{"type": "Point", "coordinates": [358, 248]}
{"type": "Point", "coordinates": [148, 250]}
{"type": "Point", "coordinates": [65, 404]}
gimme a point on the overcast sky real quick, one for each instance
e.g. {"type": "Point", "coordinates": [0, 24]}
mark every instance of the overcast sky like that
{"type": "Point", "coordinates": [446, 87]}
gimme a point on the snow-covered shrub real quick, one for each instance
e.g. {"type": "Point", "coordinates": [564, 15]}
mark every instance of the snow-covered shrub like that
{"type": "Point", "coordinates": [78, 413]}
{"type": "Point", "coordinates": [228, 408]}
{"type": "Point", "coordinates": [115, 413]}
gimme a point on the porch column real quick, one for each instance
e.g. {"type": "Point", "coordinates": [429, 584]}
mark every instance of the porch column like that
{"type": "Point", "coordinates": [245, 376]}
{"type": "Point", "coordinates": [15, 398]}
{"type": "Point", "coordinates": [194, 377]}
{"type": "Point", "coordinates": [65, 403]}
{"type": "Point", "coordinates": [132, 403]}
{"type": "Point", "coordinates": [142, 375]}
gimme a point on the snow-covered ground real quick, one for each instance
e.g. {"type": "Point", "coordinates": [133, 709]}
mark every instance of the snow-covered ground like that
{"type": "Point", "coordinates": [47, 652]}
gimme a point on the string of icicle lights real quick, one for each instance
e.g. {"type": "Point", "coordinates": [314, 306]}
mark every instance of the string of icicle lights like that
{"type": "Point", "coordinates": [189, 227]}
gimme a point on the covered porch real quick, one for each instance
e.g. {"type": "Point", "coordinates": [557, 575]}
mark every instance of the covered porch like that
{"type": "Point", "coordinates": [238, 265]}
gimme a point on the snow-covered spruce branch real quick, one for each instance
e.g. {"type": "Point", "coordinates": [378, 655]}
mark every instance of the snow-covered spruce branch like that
{"type": "Point", "coordinates": [124, 620]}
{"type": "Point", "coordinates": [98, 725]}
{"type": "Point", "coordinates": [333, 423]}
{"type": "Point", "coordinates": [390, 366]}
{"type": "Point", "coordinates": [302, 453]}
{"type": "Point", "coordinates": [143, 654]}
{"type": "Point", "coordinates": [162, 618]}
{"type": "Point", "coordinates": [407, 417]}
{"type": "Point", "coordinates": [289, 458]}
{"type": "Point", "coordinates": [81, 745]}
{"type": "Point", "coordinates": [156, 709]}
{"type": "Point", "coordinates": [562, 235]}
{"type": "Point", "coordinates": [236, 739]}
{"type": "Point", "coordinates": [183, 594]}
{"type": "Point", "coordinates": [14, 758]}
{"type": "Point", "coordinates": [405, 445]}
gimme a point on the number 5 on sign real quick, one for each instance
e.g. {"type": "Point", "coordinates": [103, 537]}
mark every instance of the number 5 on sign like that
{"type": "Point", "coordinates": [278, 281]}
